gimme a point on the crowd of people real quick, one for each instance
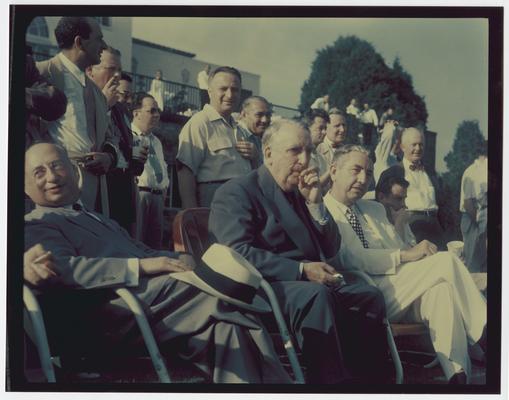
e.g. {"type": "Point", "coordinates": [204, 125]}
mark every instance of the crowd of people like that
{"type": "Point", "coordinates": [291, 197]}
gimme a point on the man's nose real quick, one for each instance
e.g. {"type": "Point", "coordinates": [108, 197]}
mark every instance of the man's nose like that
{"type": "Point", "coordinates": [304, 158]}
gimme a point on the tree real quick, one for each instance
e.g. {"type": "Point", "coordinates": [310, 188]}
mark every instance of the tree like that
{"type": "Point", "coordinates": [352, 68]}
{"type": "Point", "coordinates": [467, 141]}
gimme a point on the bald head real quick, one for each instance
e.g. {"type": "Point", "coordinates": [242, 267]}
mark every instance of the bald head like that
{"type": "Point", "coordinates": [412, 144]}
{"type": "Point", "coordinates": [51, 180]}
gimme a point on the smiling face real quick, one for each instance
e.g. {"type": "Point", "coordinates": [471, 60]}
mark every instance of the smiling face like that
{"type": "Point", "coordinates": [412, 145]}
{"type": "Point", "coordinates": [287, 155]}
{"type": "Point", "coordinates": [224, 93]}
{"type": "Point", "coordinates": [257, 117]}
{"type": "Point", "coordinates": [336, 129]}
{"type": "Point", "coordinates": [50, 178]}
{"type": "Point", "coordinates": [351, 176]}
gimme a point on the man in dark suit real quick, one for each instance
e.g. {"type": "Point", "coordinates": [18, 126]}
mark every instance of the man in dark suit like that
{"type": "Point", "coordinates": [93, 252]}
{"type": "Point", "coordinates": [423, 191]}
{"type": "Point", "coordinates": [276, 219]}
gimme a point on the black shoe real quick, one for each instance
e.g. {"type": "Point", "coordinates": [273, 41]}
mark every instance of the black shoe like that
{"type": "Point", "coordinates": [459, 378]}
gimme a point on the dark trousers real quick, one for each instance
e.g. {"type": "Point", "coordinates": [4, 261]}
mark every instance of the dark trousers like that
{"type": "Point", "coordinates": [339, 331]}
{"type": "Point", "coordinates": [427, 227]}
{"type": "Point", "coordinates": [367, 134]}
{"type": "Point", "coordinates": [122, 197]}
{"type": "Point", "coordinates": [204, 97]}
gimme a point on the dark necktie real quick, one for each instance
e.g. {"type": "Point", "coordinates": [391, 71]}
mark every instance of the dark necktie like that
{"type": "Point", "coordinates": [303, 214]}
{"type": "Point", "coordinates": [89, 98]}
{"type": "Point", "coordinates": [417, 166]}
{"type": "Point", "coordinates": [356, 225]}
{"type": "Point", "coordinates": [154, 162]}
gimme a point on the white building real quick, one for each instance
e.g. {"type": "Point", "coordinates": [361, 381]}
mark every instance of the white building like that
{"type": "Point", "coordinates": [138, 56]}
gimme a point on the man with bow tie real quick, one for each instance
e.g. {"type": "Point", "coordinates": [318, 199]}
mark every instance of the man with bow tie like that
{"type": "Point", "coordinates": [91, 251]}
{"type": "Point", "coordinates": [275, 217]}
{"type": "Point", "coordinates": [422, 190]}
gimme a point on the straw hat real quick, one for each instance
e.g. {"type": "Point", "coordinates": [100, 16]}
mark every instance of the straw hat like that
{"type": "Point", "coordinates": [225, 274]}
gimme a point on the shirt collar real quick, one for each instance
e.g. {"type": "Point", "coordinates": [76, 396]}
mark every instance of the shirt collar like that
{"type": "Point", "coordinates": [342, 207]}
{"type": "Point", "coordinates": [213, 115]}
{"type": "Point", "coordinates": [329, 144]}
{"type": "Point", "coordinates": [66, 207]}
{"type": "Point", "coordinates": [73, 69]}
{"type": "Point", "coordinates": [407, 163]}
{"type": "Point", "coordinates": [137, 130]}
{"type": "Point", "coordinates": [243, 125]}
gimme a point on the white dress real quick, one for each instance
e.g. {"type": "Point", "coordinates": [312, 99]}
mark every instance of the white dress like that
{"type": "Point", "coordinates": [157, 92]}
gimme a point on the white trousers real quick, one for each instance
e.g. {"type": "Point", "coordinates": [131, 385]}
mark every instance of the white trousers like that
{"type": "Point", "coordinates": [438, 291]}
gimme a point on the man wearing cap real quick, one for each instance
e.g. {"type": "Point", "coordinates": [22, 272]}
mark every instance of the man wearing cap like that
{"type": "Point", "coordinates": [419, 283]}
{"type": "Point", "coordinates": [422, 200]}
{"type": "Point", "coordinates": [91, 251]}
{"type": "Point", "coordinates": [275, 218]}
{"type": "Point", "coordinates": [211, 149]}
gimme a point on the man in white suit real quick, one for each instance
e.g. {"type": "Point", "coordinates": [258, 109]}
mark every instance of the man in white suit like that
{"type": "Point", "coordinates": [419, 283]}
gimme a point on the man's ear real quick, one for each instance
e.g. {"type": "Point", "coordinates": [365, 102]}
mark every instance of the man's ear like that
{"type": "Point", "coordinates": [267, 153]}
{"type": "Point", "coordinates": [332, 170]}
{"type": "Point", "coordinates": [78, 42]}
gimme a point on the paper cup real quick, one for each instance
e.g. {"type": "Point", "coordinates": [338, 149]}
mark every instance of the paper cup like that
{"type": "Point", "coordinates": [456, 247]}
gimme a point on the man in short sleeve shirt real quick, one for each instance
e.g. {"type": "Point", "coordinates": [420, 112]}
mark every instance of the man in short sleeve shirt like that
{"type": "Point", "coordinates": [210, 153]}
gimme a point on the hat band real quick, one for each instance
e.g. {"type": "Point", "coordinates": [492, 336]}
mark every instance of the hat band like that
{"type": "Point", "coordinates": [225, 285]}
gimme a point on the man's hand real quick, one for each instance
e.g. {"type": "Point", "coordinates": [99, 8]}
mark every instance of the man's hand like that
{"type": "Point", "coordinates": [157, 265]}
{"type": "Point", "coordinates": [38, 265]}
{"type": "Point", "coordinates": [322, 273]}
{"type": "Point", "coordinates": [247, 149]}
{"type": "Point", "coordinates": [110, 91]}
{"type": "Point", "coordinates": [99, 163]}
{"type": "Point", "coordinates": [140, 153]}
{"type": "Point", "coordinates": [309, 185]}
{"type": "Point", "coordinates": [424, 249]}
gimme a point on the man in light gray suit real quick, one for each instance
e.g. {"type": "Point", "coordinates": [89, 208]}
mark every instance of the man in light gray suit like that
{"type": "Point", "coordinates": [93, 252]}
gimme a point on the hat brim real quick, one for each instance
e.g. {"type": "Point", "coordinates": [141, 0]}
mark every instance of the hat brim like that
{"type": "Point", "coordinates": [258, 305]}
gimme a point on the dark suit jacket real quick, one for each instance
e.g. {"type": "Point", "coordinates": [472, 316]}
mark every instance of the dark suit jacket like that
{"type": "Point", "coordinates": [252, 215]}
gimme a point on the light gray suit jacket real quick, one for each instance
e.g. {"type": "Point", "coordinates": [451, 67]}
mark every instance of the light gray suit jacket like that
{"type": "Point", "coordinates": [52, 70]}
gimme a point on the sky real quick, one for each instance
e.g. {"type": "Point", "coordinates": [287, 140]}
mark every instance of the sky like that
{"type": "Point", "coordinates": [447, 58]}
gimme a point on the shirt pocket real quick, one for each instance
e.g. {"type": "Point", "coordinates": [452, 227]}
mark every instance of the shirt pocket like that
{"type": "Point", "coordinates": [219, 143]}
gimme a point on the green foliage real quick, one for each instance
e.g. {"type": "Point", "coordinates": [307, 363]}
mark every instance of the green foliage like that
{"type": "Point", "coordinates": [352, 68]}
{"type": "Point", "coordinates": [466, 143]}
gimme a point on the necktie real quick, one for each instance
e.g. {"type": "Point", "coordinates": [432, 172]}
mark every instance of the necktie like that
{"type": "Point", "coordinates": [417, 166]}
{"type": "Point", "coordinates": [154, 162]}
{"type": "Point", "coordinates": [89, 99]}
{"type": "Point", "coordinates": [356, 225]}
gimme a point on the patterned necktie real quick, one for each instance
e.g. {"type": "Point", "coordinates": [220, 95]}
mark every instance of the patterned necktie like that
{"type": "Point", "coordinates": [417, 166]}
{"type": "Point", "coordinates": [356, 225]}
{"type": "Point", "coordinates": [154, 162]}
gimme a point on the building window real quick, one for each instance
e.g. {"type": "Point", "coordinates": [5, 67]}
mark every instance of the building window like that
{"type": "Point", "coordinates": [38, 27]}
{"type": "Point", "coordinates": [104, 21]}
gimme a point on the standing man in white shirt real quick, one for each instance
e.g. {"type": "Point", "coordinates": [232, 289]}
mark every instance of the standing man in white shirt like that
{"type": "Point", "coordinates": [211, 148]}
{"type": "Point", "coordinates": [321, 103]}
{"type": "Point", "coordinates": [84, 128]}
{"type": "Point", "coordinates": [474, 209]}
{"type": "Point", "coordinates": [153, 182]}
{"type": "Point", "coordinates": [422, 192]}
{"type": "Point", "coordinates": [369, 121]}
{"type": "Point", "coordinates": [203, 84]}
{"type": "Point", "coordinates": [335, 135]}
{"type": "Point", "coordinates": [352, 109]}
{"type": "Point", "coordinates": [317, 125]}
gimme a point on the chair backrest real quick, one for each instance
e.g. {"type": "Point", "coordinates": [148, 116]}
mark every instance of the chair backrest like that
{"type": "Point", "coordinates": [190, 231]}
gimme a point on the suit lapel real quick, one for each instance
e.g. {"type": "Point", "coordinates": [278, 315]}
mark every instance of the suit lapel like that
{"type": "Point", "coordinates": [290, 221]}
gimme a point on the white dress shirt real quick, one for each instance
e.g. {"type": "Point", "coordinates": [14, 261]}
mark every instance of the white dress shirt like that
{"type": "Point", "coordinates": [148, 177]}
{"type": "Point", "coordinates": [369, 117]}
{"type": "Point", "coordinates": [474, 185]}
{"type": "Point", "coordinates": [70, 130]}
{"type": "Point", "coordinates": [420, 192]}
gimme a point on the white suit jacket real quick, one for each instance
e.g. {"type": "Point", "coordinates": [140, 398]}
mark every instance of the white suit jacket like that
{"type": "Point", "coordinates": [383, 255]}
